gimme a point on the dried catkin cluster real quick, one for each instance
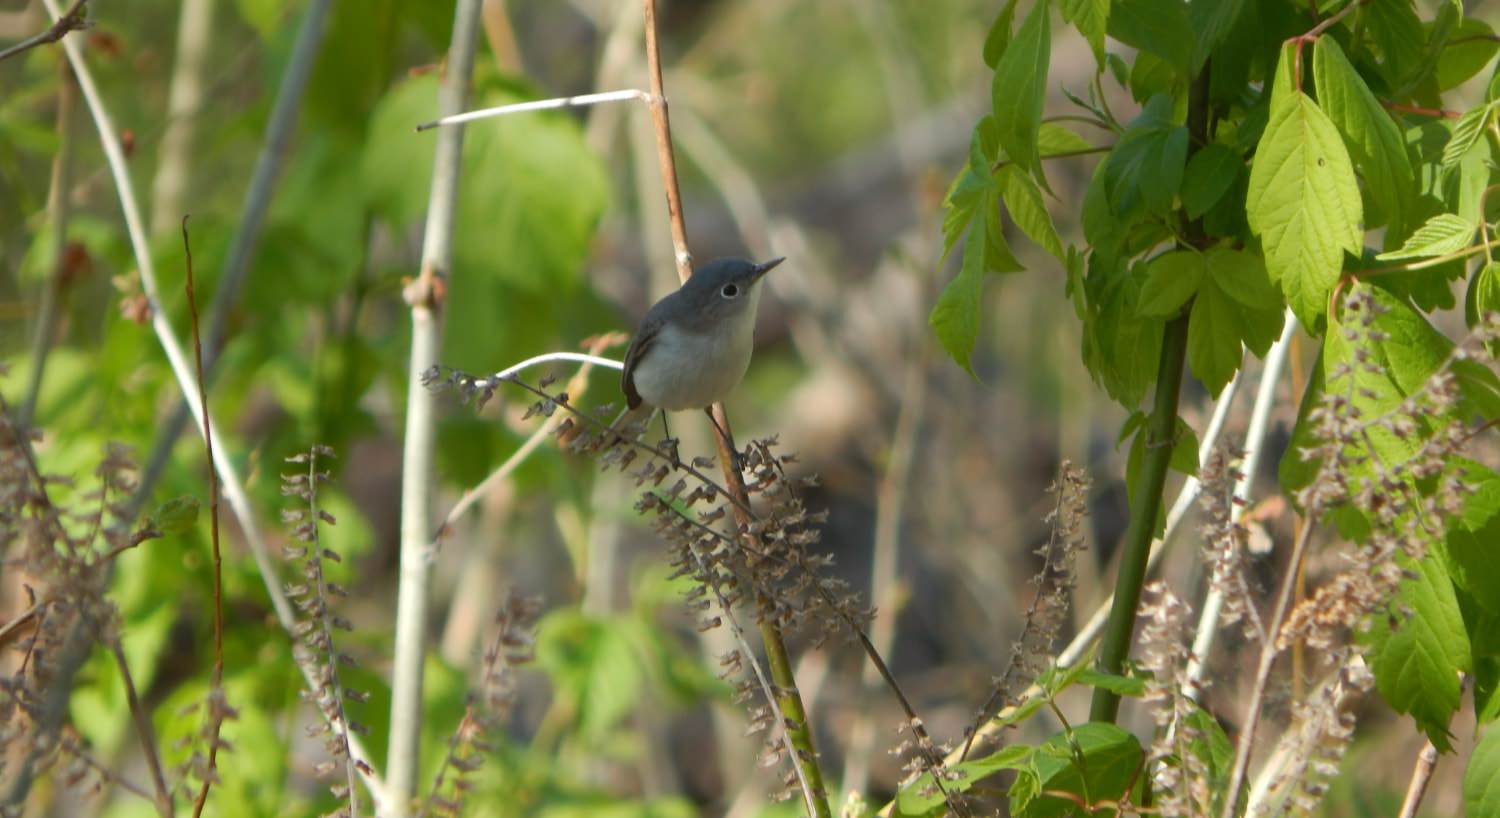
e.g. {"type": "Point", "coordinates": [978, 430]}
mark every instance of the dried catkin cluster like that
{"type": "Point", "coordinates": [1224, 543]}
{"type": "Point", "coordinates": [1182, 776]}
{"type": "Point", "coordinates": [62, 556]}
{"type": "Point", "coordinates": [489, 703]}
{"type": "Point", "coordinates": [315, 649]}
{"type": "Point", "coordinates": [747, 552]}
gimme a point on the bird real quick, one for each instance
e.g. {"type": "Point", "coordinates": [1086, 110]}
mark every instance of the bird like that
{"type": "Point", "coordinates": [693, 346]}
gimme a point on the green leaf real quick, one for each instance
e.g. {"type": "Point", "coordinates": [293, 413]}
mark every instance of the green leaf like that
{"type": "Point", "coordinates": [1091, 18]}
{"type": "Point", "coordinates": [1120, 347]}
{"type": "Point", "coordinates": [1471, 48]}
{"type": "Point", "coordinates": [175, 516]}
{"type": "Point", "coordinates": [955, 317]}
{"type": "Point", "coordinates": [1214, 337]}
{"type": "Point", "coordinates": [920, 798]}
{"type": "Point", "coordinates": [964, 199]}
{"type": "Point", "coordinates": [1303, 200]}
{"type": "Point", "coordinates": [1171, 279]}
{"type": "Point", "coordinates": [1158, 26]}
{"type": "Point", "coordinates": [1118, 685]}
{"type": "Point", "coordinates": [1368, 131]}
{"type": "Point", "coordinates": [1211, 172]}
{"type": "Point", "coordinates": [1472, 542]}
{"type": "Point", "coordinates": [1024, 201]}
{"type": "Point", "coordinates": [1397, 32]}
{"type": "Point", "coordinates": [1147, 163]}
{"type": "Point", "coordinates": [1020, 88]}
{"type": "Point", "coordinates": [1466, 131]}
{"type": "Point", "coordinates": [997, 255]}
{"type": "Point", "coordinates": [1111, 758]}
{"type": "Point", "coordinates": [1484, 294]}
{"type": "Point", "coordinates": [1211, 20]}
{"type": "Point", "coordinates": [1442, 234]}
{"type": "Point", "coordinates": [1482, 776]}
{"type": "Point", "coordinates": [1378, 374]}
{"type": "Point", "coordinates": [1242, 276]}
{"type": "Point", "coordinates": [1056, 140]}
{"type": "Point", "coordinates": [1417, 658]}
{"type": "Point", "coordinates": [999, 37]}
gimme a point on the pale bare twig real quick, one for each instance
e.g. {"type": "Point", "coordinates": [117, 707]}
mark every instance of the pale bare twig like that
{"type": "Point", "coordinates": [425, 297]}
{"type": "Point", "coordinates": [1255, 437]}
{"type": "Point", "coordinates": [1421, 777]}
{"type": "Point", "coordinates": [537, 105]}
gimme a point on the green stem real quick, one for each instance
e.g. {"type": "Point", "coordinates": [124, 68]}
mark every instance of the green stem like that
{"type": "Point", "coordinates": [1160, 431]}
{"type": "Point", "coordinates": [797, 728]}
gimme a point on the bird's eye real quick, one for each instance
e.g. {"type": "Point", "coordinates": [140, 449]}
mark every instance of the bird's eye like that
{"type": "Point", "coordinates": [730, 290]}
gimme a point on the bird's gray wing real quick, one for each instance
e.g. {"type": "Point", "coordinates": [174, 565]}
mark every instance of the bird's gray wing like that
{"type": "Point", "coordinates": [639, 346]}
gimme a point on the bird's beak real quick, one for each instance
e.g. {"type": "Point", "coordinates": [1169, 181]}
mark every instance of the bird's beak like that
{"type": "Point", "coordinates": [762, 269]}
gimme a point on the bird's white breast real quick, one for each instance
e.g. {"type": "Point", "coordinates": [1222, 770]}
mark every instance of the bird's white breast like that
{"type": "Point", "coordinates": [689, 370]}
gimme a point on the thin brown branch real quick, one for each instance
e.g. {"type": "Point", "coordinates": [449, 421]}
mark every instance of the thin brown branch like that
{"type": "Point", "coordinates": [658, 104]}
{"type": "Point", "coordinates": [1419, 111]}
{"type": "Point", "coordinates": [144, 731]}
{"type": "Point", "coordinates": [74, 19]}
{"type": "Point", "coordinates": [216, 702]}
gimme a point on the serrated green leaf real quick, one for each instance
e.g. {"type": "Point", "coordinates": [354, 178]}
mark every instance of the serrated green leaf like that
{"type": "Point", "coordinates": [1482, 776]}
{"type": "Point", "coordinates": [1242, 276]}
{"type": "Point", "coordinates": [1214, 345]}
{"type": "Point", "coordinates": [1158, 26]}
{"type": "Point", "coordinates": [1146, 164]}
{"type": "Point", "coordinates": [1417, 659]}
{"type": "Point", "coordinates": [1019, 89]}
{"type": "Point", "coordinates": [1472, 540]}
{"type": "Point", "coordinates": [1442, 234]}
{"type": "Point", "coordinates": [1484, 294]}
{"type": "Point", "coordinates": [1378, 374]}
{"type": "Point", "coordinates": [1466, 131]}
{"type": "Point", "coordinates": [1211, 20]}
{"type": "Point", "coordinates": [1303, 200]}
{"type": "Point", "coordinates": [1368, 131]}
{"type": "Point", "coordinates": [1470, 49]}
{"type": "Point", "coordinates": [1210, 173]}
{"type": "Point", "coordinates": [998, 37]}
{"type": "Point", "coordinates": [1091, 18]}
{"type": "Point", "coordinates": [1111, 758]}
{"type": "Point", "coordinates": [1171, 279]}
{"type": "Point", "coordinates": [1024, 201]}
{"type": "Point", "coordinates": [955, 316]}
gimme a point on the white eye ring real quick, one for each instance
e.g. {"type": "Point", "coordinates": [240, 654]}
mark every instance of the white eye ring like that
{"type": "Point", "coordinates": [730, 291]}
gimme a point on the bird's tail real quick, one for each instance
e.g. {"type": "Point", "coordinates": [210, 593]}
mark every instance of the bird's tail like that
{"type": "Point", "coordinates": [629, 425]}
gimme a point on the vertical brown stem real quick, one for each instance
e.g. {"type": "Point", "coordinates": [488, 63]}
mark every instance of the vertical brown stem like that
{"type": "Point", "coordinates": [789, 701]}
{"type": "Point", "coordinates": [668, 163]}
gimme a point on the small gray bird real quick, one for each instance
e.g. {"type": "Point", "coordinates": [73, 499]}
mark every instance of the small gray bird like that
{"type": "Point", "coordinates": [694, 345]}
